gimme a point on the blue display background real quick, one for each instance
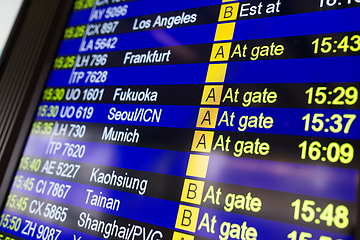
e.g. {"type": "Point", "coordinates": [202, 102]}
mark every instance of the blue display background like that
{"type": "Point", "coordinates": [149, 39]}
{"type": "Point", "coordinates": [275, 71]}
{"type": "Point", "coordinates": [283, 26]}
{"type": "Point", "coordinates": [331, 183]}
{"type": "Point", "coordinates": [163, 213]}
{"type": "Point", "coordinates": [66, 233]}
{"type": "Point", "coordinates": [286, 120]}
{"type": "Point", "coordinates": [141, 7]}
{"type": "Point", "coordinates": [319, 181]}
{"type": "Point", "coordinates": [265, 228]}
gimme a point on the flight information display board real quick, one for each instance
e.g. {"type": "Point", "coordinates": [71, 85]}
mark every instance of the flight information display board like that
{"type": "Point", "coordinates": [196, 120]}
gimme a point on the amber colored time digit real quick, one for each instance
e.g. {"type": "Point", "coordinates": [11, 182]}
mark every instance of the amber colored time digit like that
{"type": "Point", "coordinates": [341, 95]}
{"type": "Point", "coordinates": [356, 40]}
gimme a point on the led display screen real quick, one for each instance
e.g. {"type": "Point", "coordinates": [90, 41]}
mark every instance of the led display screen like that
{"type": "Point", "coordinates": [195, 120]}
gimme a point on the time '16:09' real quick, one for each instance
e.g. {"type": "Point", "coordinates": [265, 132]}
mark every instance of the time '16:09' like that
{"type": "Point", "coordinates": [332, 152]}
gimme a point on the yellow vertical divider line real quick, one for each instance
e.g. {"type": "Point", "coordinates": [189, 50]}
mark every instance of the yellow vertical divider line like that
{"type": "Point", "coordinates": [197, 166]}
{"type": "Point", "coordinates": [224, 31]}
